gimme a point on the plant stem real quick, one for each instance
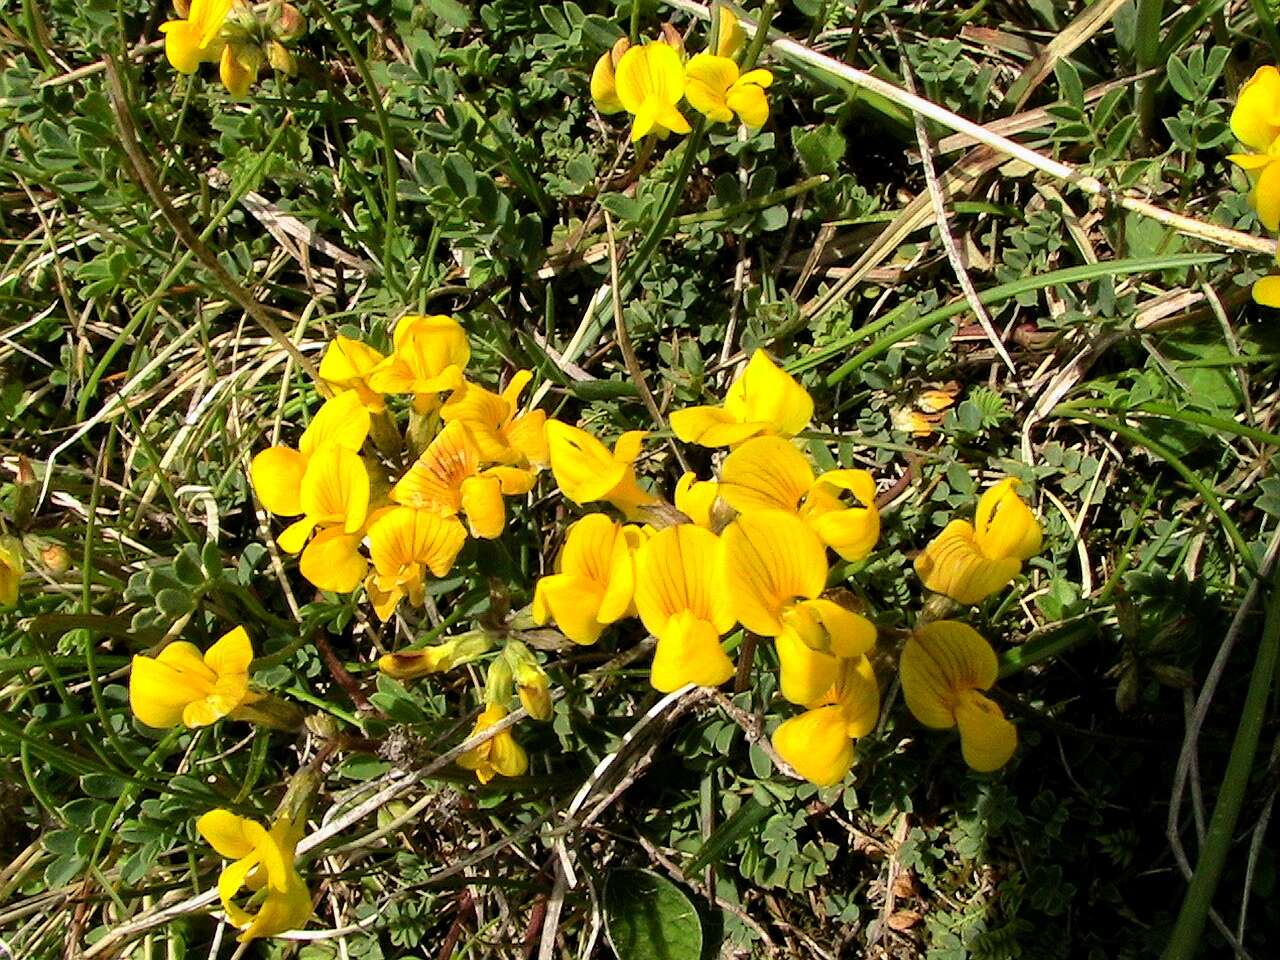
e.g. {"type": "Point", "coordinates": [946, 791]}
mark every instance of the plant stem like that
{"type": "Point", "coordinates": [1217, 843]}
{"type": "Point", "coordinates": [1147, 49]}
{"type": "Point", "coordinates": [633, 34]}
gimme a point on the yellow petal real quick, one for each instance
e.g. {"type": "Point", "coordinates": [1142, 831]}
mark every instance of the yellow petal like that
{"type": "Point", "coordinates": [158, 692]}
{"type": "Point", "coordinates": [527, 434]}
{"type": "Point", "coordinates": [404, 536]}
{"type": "Point", "coordinates": [604, 90]}
{"type": "Point", "coordinates": [226, 833]}
{"type": "Point", "coordinates": [482, 503]}
{"type": "Point", "coordinates": [689, 651]}
{"type": "Point", "coordinates": [1250, 161]}
{"type": "Point", "coordinates": [805, 675]}
{"type": "Point", "coordinates": [712, 427]}
{"type": "Point", "coordinates": [294, 537]}
{"type": "Point", "coordinates": [952, 564]}
{"type": "Point", "coordinates": [238, 68]}
{"type": "Point", "coordinates": [707, 81]}
{"type": "Point", "coordinates": [507, 756]}
{"type": "Point", "coordinates": [749, 102]}
{"type": "Point", "coordinates": [585, 470]}
{"type": "Point", "coordinates": [231, 654]}
{"type": "Point", "coordinates": [696, 498]}
{"type": "Point", "coordinates": [342, 420]}
{"type": "Point", "coordinates": [650, 74]}
{"type": "Point", "coordinates": [1255, 119]}
{"type": "Point", "coordinates": [230, 882]}
{"type": "Point", "coordinates": [332, 561]}
{"type": "Point", "coordinates": [276, 474]}
{"type": "Point", "coordinates": [848, 634]}
{"type": "Point", "coordinates": [1267, 291]}
{"type": "Point", "coordinates": [1265, 196]}
{"type": "Point", "coordinates": [987, 739]}
{"type": "Point", "coordinates": [768, 558]}
{"type": "Point", "coordinates": [1004, 526]}
{"type": "Point", "coordinates": [765, 473]}
{"type": "Point", "coordinates": [335, 488]}
{"type": "Point", "coordinates": [858, 696]}
{"type": "Point", "coordinates": [940, 661]}
{"type": "Point", "coordinates": [182, 46]}
{"type": "Point", "coordinates": [766, 392]}
{"type": "Point", "coordinates": [730, 38]}
{"type": "Point", "coordinates": [573, 603]}
{"type": "Point", "coordinates": [816, 745]}
{"type": "Point", "coordinates": [676, 572]}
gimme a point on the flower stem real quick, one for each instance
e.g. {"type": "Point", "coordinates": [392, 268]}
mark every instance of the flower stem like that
{"type": "Point", "coordinates": [760, 37]}
{"type": "Point", "coordinates": [1185, 940]}
{"type": "Point", "coordinates": [1147, 49]}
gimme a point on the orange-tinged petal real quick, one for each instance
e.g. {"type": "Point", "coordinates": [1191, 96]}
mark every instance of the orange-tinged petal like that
{"type": "Point", "coordinates": [335, 488]}
{"type": "Point", "coordinates": [769, 558]}
{"type": "Point", "coordinates": [816, 745]}
{"type": "Point", "coordinates": [294, 537]}
{"type": "Point", "coordinates": [276, 474]}
{"type": "Point", "coordinates": [689, 651]}
{"type": "Point", "coordinates": [765, 473]}
{"type": "Point", "coordinates": [952, 564]}
{"type": "Point", "coordinates": [941, 660]}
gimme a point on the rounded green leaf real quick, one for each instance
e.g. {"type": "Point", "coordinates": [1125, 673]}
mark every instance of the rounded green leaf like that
{"type": "Point", "coordinates": [647, 917]}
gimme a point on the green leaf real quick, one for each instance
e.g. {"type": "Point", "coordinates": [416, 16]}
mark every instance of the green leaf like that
{"type": "Point", "coordinates": [820, 149]}
{"type": "Point", "coordinates": [173, 602]}
{"type": "Point", "coordinates": [187, 567]}
{"type": "Point", "coordinates": [1181, 80]}
{"type": "Point", "coordinates": [647, 917]}
{"type": "Point", "coordinates": [451, 12]}
{"type": "Point", "coordinates": [104, 786]}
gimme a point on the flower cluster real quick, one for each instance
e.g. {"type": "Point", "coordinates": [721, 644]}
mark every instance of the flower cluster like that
{"type": "Point", "coordinates": [753, 548]}
{"type": "Point", "coordinates": [1255, 121]}
{"type": "Point", "coordinates": [649, 80]}
{"type": "Point", "coordinates": [239, 37]}
{"type": "Point", "coordinates": [476, 449]}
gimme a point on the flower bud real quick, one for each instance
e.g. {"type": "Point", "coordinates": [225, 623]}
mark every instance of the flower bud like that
{"type": "Point", "coordinates": [498, 684]}
{"type": "Point", "coordinates": [10, 570]}
{"type": "Point", "coordinates": [290, 24]}
{"type": "Point", "coordinates": [532, 684]}
{"type": "Point", "coordinates": [408, 664]}
{"type": "Point", "coordinates": [673, 39]}
{"type": "Point", "coordinates": [55, 557]}
{"type": "Point", "coordinates": [24, 493]}
{"type": "Point", "coordinates": [281, 59]}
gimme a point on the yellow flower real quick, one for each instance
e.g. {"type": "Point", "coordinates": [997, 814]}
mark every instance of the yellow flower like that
{"type": "Point", "coordinates": [497, 756]}
{"type": "Point", "coordinates": [768, 473]}
{"type": "Point", "coordinates": [696, 499]}
{"type": "Point", "coordinates": [586, 471]}
{"type": "Point", "coordinates": [604, 83]}
{"type": "Point", "coordinates": [819, 742]}
{"type": "Point", "coordinates": [195, 40]}
{"type": "Point", "coordinates": [730, 38]}
{"type": "Point", "coordinates": [180, 686]}
{"type": "Point", "coordinates": [773, 570]}
{"type": "Point", "coordinates": [263, 862]}
{"type": "Point", "coordinates": [682, 602]}
{"type": "Point", "coordinates": [408, 664]}
{"type": "Point", "coordinates": [347, 365]}
{"type": "Point", "coordinates": [649, 82]}
{"type": "Point", "coordinates": [594, 579]}
{"type": "Point", "coordinates": [944, 666]}
{"type": "Point", "coordinates": [277, 472]}
{"type": "Point", "coordinates": [969, 562]}
{"type": "Point", "coordinates": [763, 400]}
{"type": "Point", "coordinates": [447, 479]}
{"type": "Point", "coordinates": [427, 358]}
{"type": "Point", "coordinates": [335, 498]}
{"type": "Point", "coordinates": [10, 570]}
{"type": "Point", "coordinates": [500, 434]}
{"type": "Point", "coordinates": [403, 544]}
{"type": "Point", "coordinates": [715, 89]}
{"type": "Point", "coordinates": [1256, 123]}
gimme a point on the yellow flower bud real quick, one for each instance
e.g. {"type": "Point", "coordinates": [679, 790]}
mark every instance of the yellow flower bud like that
{"type": "Point", "coordinates": [281, 59]}
{"type": "Point", "coordinates": [532, 684]}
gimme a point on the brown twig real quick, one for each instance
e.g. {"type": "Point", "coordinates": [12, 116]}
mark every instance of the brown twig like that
{"type": "Point", "coordinates": [341, 676]}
